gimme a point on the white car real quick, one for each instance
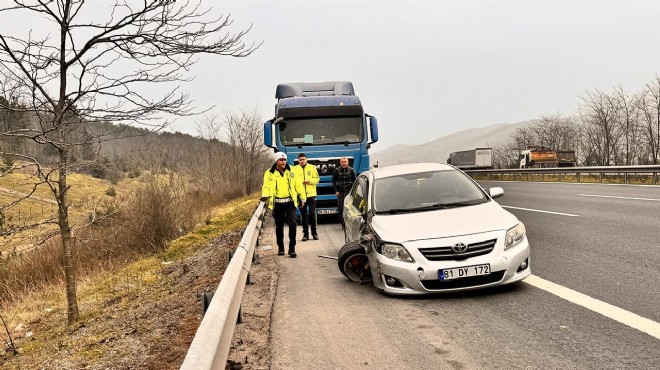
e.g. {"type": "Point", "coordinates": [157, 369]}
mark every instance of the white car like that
{"type": "Point", "coordinates": [428, 227]}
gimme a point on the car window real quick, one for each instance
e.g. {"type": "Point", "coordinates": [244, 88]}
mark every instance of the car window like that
{"type": "Point", "coordinates": [446, 188]}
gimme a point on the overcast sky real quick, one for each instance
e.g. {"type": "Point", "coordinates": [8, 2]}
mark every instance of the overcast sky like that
{"type": "Point", "coordinates": [430, 68]}
{"type": "Point", "coordinates": [427, 69]}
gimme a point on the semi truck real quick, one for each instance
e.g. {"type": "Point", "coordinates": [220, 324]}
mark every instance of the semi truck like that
{"type": "Point", "coordinates": [538, 157]}
{"type": "Point", "coordinates": [326, 121]}
{"type": "Point", "coordinates": [478, 158]}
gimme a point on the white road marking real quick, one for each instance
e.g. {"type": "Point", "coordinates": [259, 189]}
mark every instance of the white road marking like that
{"type": "Point", "coordinates": [612, 196]}
{"type": "Point", "coordinates": [538, 210]}
{"type": "Point", "coordinates": [627, 318]}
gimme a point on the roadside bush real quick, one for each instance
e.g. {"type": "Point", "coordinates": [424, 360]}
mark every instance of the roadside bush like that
{"type": "Point", "coordinates": [137, 225]}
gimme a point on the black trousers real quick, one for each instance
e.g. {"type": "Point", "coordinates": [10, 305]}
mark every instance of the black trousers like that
{"type": "Point", "coordinates": [308, 216]}
{"type": "Point", "coordinates": [340, 206]}
{"type": "Point", "coordinates": [285, 213]}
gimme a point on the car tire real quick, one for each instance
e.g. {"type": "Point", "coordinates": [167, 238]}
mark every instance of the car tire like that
{"type": "Point", "coordinates": [354, 263]}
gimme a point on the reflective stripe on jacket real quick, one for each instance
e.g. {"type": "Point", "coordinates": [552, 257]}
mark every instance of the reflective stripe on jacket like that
{"type": "Point", "coordinates": [269, 187]}
{"type": "Point", "coordinates": [310, 173]}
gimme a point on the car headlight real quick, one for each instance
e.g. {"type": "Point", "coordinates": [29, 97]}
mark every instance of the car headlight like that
{"type": "Point", "coordinates": [514, 235]}
{"type": "Point", "coordinates": [396, 252]}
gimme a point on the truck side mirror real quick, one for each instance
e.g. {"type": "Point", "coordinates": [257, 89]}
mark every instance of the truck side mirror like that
{"type": "Point", "coordinates": [268, 134]}
{"type": "Point", "coordinates": [373, 128]}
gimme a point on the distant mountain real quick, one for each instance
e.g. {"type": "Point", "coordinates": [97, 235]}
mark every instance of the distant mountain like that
{"type": "Point", "coordinates": [438, 150]}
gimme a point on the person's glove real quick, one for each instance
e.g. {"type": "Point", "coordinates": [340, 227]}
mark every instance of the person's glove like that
{"type": "Point", "coordinates": [264, 199]}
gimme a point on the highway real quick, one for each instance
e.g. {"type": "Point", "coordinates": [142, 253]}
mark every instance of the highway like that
{"type": "Point", "coordinates": [591, 303]}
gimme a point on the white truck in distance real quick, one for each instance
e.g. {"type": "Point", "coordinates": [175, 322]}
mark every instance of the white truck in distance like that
{"type": "Point", "coordinates": [478, 158]}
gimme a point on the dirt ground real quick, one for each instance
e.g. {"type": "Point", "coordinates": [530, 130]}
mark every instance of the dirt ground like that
{"type": "Point", "coordinates": [154, 330]}
{"type": "Point", "coordinates": [250, 347]}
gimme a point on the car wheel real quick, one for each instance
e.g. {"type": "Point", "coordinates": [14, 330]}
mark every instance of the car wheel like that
{"type": "Point", "coordinates": [354, 263]}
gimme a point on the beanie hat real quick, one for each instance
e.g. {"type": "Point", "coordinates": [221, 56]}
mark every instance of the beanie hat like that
{"type": "Point", "coordinates": [280, 155]}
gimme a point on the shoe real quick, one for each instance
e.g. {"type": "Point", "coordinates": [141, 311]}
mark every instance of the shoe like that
{"type": "Point", "coordinates": [280, 253]}
{"type": "Point", "coordinates": [305, 238]}
{"type": "Point", "coordinates": [292, 254]}
{"type": "Point", "coordinates": [315, 236]}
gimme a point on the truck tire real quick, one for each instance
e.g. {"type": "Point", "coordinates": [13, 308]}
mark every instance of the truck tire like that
{"type": "Point", "coordinates": [354, 263]}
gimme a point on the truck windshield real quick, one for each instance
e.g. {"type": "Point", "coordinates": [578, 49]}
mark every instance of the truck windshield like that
{"type": "Point", "coordinates": [320, 130]}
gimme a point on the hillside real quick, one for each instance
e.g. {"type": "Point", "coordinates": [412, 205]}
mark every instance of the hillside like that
{"type": "Point", "coordinates": [143, 315]}
{"type": "Point", "coordinates": [438, 150]}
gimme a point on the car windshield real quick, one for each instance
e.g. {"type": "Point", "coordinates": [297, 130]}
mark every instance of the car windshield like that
{"type": "Point", "coordinates": [419, 192]}
{"type": "Point", "coordinates": [320, 131]}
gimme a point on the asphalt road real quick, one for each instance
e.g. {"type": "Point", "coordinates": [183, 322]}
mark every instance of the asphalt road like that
{"type": "Point", "coordinates": [592, 302]}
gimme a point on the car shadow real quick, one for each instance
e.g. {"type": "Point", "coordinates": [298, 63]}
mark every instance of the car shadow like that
{"type": "Point", "coordinates": [481, 293]}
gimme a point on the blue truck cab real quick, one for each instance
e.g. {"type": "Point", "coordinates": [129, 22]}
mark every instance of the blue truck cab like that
{"type": "Point", "coordinates": [326, 121]}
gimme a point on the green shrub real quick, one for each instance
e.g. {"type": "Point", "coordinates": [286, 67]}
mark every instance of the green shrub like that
{"type": "Point", "coordinates": [111, 192]}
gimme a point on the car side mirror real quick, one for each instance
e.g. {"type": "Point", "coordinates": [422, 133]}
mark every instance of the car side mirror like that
{"type": "Point", "coordinates": [496, 192]}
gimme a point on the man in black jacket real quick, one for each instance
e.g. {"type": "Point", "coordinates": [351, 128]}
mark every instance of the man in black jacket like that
{"type": "Point", "coordinates": [342, 181]}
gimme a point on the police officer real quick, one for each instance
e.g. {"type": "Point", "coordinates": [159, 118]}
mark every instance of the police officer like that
{"type": "Point", "coordinates": [282, 191]}
{"type": "Point", "coordinates": [309, 177]}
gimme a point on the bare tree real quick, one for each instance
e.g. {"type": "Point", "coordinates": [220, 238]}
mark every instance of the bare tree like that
{"type": "Point", "coordinates": [505, 155]}
{"type": "Point", "coordinates": [209, 128]}
{"type": "Point", "coordinates": [601, 135]}
{"type": "Point", "coordinates": [649, 107]}
{"type": "Point", "coordinates": [102, 64]}
{"type": "Point", "coordinates": [626, 116]}
{"type": "Point", "coordinates": [244, 133]}
{"type": "Point", "coordinates": [557, 131]}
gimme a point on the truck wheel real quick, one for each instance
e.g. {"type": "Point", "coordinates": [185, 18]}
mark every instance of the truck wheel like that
{"type": "Point", "coordinates": [354, 263]}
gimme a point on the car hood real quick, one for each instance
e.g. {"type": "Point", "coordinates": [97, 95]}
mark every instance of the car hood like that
{"type": "Point", "coordinates": [407, 227]}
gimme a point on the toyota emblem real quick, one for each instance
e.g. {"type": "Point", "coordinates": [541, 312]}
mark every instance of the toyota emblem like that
{"type": "Point", "coordinates": [459, 247]}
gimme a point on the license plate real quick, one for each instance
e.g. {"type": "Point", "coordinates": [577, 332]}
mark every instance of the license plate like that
{"type": "Point", "coordinates": [326, 211]}
{"type": "Point", "coordinates": [461, 272]}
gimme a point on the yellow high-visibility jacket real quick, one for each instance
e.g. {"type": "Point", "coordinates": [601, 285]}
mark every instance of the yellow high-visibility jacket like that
{"type": "Point", "coordinates": [310, 173]}
{"type": "Point", "coordinates": [282, 186]}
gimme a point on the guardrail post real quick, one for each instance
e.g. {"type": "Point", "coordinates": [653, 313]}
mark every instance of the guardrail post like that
{"type": "Point", "coordinates": [206, 298]}
{"type": "Point", "coordinates": [600, 177]}
{"type": "Point", "coordinates": [239, 318]}
{"type": "Point", "coordinates": [625, 178]}
{"type": "Point", "coordinates": [577, 175]}
{"type": "Point", "coordinates": [655, 178]}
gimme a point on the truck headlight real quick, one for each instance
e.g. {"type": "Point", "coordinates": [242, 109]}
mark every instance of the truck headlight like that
{"type": "Point", "coordinates": [396, 252]}
{"type": "Point", "coordinates": [514, 235]}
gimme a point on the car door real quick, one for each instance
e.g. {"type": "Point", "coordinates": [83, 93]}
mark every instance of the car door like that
{"type": "Point", "coordinates": [354, 207]}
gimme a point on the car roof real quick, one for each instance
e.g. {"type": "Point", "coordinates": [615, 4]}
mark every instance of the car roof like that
{"type": "Point", "coordinates": [403, 169]}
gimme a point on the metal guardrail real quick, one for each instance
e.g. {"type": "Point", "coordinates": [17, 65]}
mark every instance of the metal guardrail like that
{"type": "Point", "coordinates": [578, 171]}
{"type": "Point", "coordinates": [210, 346]}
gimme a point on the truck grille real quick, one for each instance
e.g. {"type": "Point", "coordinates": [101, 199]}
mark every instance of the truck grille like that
{"type": "Point", "coordinates": [446, 254]}
{"type": "Point", "coordinates": [326, 166]}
